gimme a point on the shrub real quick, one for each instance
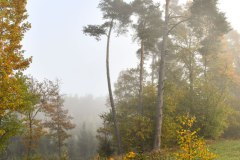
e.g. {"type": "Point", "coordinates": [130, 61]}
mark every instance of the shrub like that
{"type": "Point", "coordinates": [191, 146]}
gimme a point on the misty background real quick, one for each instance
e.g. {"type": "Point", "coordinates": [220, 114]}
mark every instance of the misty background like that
{"type": "Point", "coordinates": [61, 50]}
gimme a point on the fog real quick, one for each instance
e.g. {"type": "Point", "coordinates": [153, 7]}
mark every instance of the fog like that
{"type": "Point", "coordinates": [86, 110]}
{"type": "Point", "coordinates": [61, 50]}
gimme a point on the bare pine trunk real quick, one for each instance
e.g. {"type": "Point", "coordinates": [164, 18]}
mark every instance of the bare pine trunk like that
{"type": "Point", "coordinates": [153, 68]}
{"type": "Point", "coordinates": [159, 118]}
{"type": "Point", "coordinates": [191, 80]}
{"type": "Point", "coordinates": [141, 79]}
{"type": "Point", "coordinates": [110, 91]}
{"type": "Point", "coordinates": [141, 87]}
{"type": "Point", "coordinates": [191, 66]}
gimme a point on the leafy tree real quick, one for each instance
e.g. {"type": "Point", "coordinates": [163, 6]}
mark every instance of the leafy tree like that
{"type": "Point", "coordinates": [138, 130]}
{"type": "Point", "coordinates": [200, 41]}
{"type": "Point", "coordinates": [39, 97]}
{"type": "Point", "coordinates": [34, 127]}
{"type": "Point", "coordinates": [197, 73]}
{"type": "Point", "coordinates": [59, 122]}
{"type": "Point", "coordinates": [207, 105]}
{"type": "Point", "coordinates": [105, 148]}
{"type": "Point", "coordinates": [127, 85]}
{"type": "Point", "coordinates": [203, 96]}
{"type": "Point", "coordinates": [210, 24]}
{"type": "Point", "coordinates": [13, 25]}
{"type": "Point", "coordinates": [229, 71]}
{"type": "Point", "coordinates": [172, 19]}
{"type": "Point", "coordinates": [13, 90]}
{"type": "Point", "coordinates": [147, 33]}
{"type": "Point", "coordinates": [113, 11]}
{"type": "Point", "coordinates": [10, 120]}
{"type": "Point", "coordinates": [11, 127]}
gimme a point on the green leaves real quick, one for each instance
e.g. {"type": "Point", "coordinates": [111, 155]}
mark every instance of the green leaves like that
{"type": "Point", "coordinates": [10, 126]}
{"type": "Point", "coordinates": [95, 31]}
{"type": "Point", "coordinates": [115, 13]}
{"type": "Point", "coordinates": [148, 26]}
{"type": "Point", "coordinates": [115, 9]}
{"type": "Point", "coordinates": [205, 14]}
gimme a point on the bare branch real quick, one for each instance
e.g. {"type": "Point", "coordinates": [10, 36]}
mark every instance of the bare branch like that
{"type": "Point", "coordinates": [178, 23]}
{"type": "Point", "coordinates": [173, 17]}
{"type": "Point", "coordinates": [36, 112]}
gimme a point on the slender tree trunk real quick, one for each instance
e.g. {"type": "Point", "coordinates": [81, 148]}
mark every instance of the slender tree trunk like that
{"type": "Point", "coordinates": [191, 75]}
{"type": "Point", "coordinates": [141, 79]}
{"type": "Point", "coordinates": [110, 91]}
{"type": "Point", "coordinates": [153, 68]}
{"type": "Point", "coordinates": [191, 65]}
{"type": "Point", "coordinates": [205, 65]}
{"type": "Point", "coordinates": [58, 136]}
{"type": "Point", "coordinates": [140, 103]}
{"type": "Point", "coordinates": [59, 148]}
{"type": "Point", "coordinates": [191, 81]}
{"type": "Point", "coordinates": [30, 136]}
{"type": "Point", "coordinates": [159, 117]}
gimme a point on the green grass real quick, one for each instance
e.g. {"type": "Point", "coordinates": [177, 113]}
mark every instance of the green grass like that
{"type": "Point", "coordinates": [226, 149]}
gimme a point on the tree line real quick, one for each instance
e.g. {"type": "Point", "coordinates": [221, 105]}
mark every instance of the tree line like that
{"type": "Point", "coordinates": [188, 64]}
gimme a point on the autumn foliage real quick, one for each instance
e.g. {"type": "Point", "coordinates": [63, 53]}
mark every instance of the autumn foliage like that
{"type": "Point", "coordinates": [191, 146]}
{"type": "Point", "coordinates": [13, 25]}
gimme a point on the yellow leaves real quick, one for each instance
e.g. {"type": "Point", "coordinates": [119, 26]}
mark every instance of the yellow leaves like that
{"type": "Point", "coordinates": [13, 93]}
{"type": "Point", "coordinates": [130, 155]}
{"type": "Point", "coordinates": [2, 132]}
{"type": "Point", "coordinates": [191, 146]}
{"type": "Point", "coordinates": [12, 61]}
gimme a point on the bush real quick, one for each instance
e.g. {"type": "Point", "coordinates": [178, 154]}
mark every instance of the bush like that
{"type": "Point", "coordinates": [191, 146]}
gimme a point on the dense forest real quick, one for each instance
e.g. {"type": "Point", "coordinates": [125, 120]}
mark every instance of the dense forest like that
{"type": "Point", "coordinates": [182, 96]}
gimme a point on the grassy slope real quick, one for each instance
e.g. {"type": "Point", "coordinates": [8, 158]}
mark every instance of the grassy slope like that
{"type": "Point", "coordinates": [226, 149]}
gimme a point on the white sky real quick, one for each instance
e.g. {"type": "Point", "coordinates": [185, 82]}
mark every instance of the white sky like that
{"type": "Point", "coordinates": [60, 50]}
